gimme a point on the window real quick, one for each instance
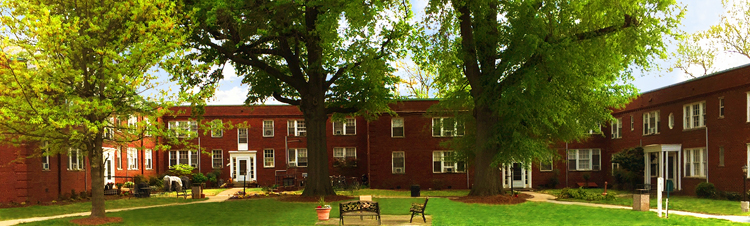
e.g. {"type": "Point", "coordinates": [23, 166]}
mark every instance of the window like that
{"type": "Point", "coordinates": [268, 128]}
{"type": "Point", "coordinates": [217, 159]}
{"type": "Point", "coordinates": [446, 127]}
{"type": "Point", "coordinates": [584, 159]}
{"type": "Point", "coordinates": [296, 128]}
{"type": "Point", "coordinates": [694, 115]}
{"type": "Point", "coordinates": [654, 164]}
{"type": "Point", "coordinates": [444, 162]}
{"type": "Point", "coordinates": [148, 127]}
{"type": "Point", "coordinates": [632, 123]}
{"type": "Point", "coordinates": [345, 156]}
{"type": "Point", "coordinates": [721, 156]}
{"type": "Point", "coordinates": [297, 157]}
{"type": "Point", "coordinates": [397, 127]}
{"type": "Point", "coordinates": [695, 162]}
{"type": "Point", "coordinates": [75, 160]}
{"type": "Point", "coordinates": [347, 127]}
{"type": "Point", "coordinates": [118, 157]}
{"type": "Point", "coordinates": [149, 157]}
{"type": "Point", "coordinates": [183, 129]}
{"type": "Point", "coordinates": [721, 107]}
{"type": "Point", "coordinates": [109, 131]}
{"type": "Point", "coordinates": [617, 128]}
{"type": "Point", "coordinates": [545, 165]}
{"type": "Point", "coordinates": [671, 120]}
{"type": "Point", "coordinates": [398, 162]}
{"type": "Point", "coordinates": [45, 156]}
{"type": "Point", "coordinates": [217, 128]}
{"type": "Point", "coordinates": [596, 131]}
{"type": "Point", "coordinates": [132, 159]}
{"type": "Point", "coordinates": [651, 123]}
{"type": "Point", "coordinates": [242, 135]}
{"type": "Point", "coordinates": [268, 158]}
{"type": "Point", "coordinates": [183, 157]}
{"type": "Point", "coordinates": [748, 159]}
{"type": "Point", "coordinates": [748, 109]}
{"type": "Point", "coordinates": [132, 122]}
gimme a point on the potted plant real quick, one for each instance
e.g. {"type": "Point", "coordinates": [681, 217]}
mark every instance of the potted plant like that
{"type": "Point", "coordinates": [323, 209]}
{"type": "Point", "coordinates": [198, 180]}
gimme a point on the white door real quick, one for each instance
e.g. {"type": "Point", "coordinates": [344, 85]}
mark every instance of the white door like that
{"type": "Point", "coordinates": [109, 166]}
{"type": "Point", "coordinates": [244, 168]}
{"type": "Point", "coordinates": [519, 174]}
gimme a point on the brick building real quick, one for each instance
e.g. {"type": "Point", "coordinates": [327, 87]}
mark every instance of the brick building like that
{"type": "Point", "coordinates": [692, 132]}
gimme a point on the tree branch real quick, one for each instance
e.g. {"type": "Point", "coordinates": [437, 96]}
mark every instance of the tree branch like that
{"type": "Point", "coordinates": [346, 67]}
{"type": "Point", "coordinates": [331, 110]}
{"type": "Point", "coordinates": [282, 99]}
{"type": "Point", "coordinates": [294, 82]}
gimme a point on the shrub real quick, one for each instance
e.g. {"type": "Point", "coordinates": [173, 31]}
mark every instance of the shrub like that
{"type": "Point", "coordinates": [705, 190]}
{"type": "Point", "coordinates": [180, 170]}
{"type": "Point", "coordinates": [199, 178]}
{"type": "Point", "coordinates": [73, 194]}
{"type": "Point", "coordinates": [128, 184]}
{"type": "Point", "coordinates": [734, 196]}
{"type": "Point", "coordinates": [138, 179]}
{"type": "Point", "coordinates": [582, 194]}
{"type": "Point", "coordinates": [155, 181]}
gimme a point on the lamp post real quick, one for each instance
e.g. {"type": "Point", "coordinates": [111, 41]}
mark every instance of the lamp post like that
{"type": "Point", "coordinates": [744, 204]}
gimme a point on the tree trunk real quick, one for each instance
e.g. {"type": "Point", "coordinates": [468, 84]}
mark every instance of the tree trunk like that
{"type": "Point", "coordinates": [318, 180]}
{"type": "Point", "coordinates": [97, 177]}
{"type": "Point", "coordinates": [487, 181]}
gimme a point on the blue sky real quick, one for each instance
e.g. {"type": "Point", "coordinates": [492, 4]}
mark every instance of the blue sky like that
{"type": "Point", "coordinates": [700, 15]}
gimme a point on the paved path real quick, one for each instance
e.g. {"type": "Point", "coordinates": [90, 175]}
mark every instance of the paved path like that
{"type": "Point", "coordinates": [224, 195]}
{"type": "Point", "coordinates": [539, 197]}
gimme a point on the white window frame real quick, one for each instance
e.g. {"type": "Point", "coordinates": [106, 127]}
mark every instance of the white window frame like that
{"type": "Point", "coordinates": [393, 127]}
{"type": "Point", "coordinates": [75, 163]}
{"type": "Point", "coordinates": [747, 161]}
{"type": "Point", "coordinates": [268, 130]}
{"type": "Point", "coordinates": [109, 131]}
{"type": "Point", "coordinates": [269, 156]}
{"type": "Point", "coordinates": [632, 123]}
{"type": "Point", "coordinates": [217, 158]}
{"type": "Point", "coordinates": [149, 158]}
{"type": "Point", "coordinates": [296, 127]}
{"type": "Point", "coordinates": [147, 131]}
{"type": "Point", "coordinates": [343, 153]}
{"type": "Point", "coordinates": [294, 159]}
{"type": "Point", "coordinates": [671, 120]}
{"type": "Point", "coordinates": [118, 157]}
{"type": "Point", "coordinates": [617, 128]}
{"type": "Point", "coordinates": [577, 159]}
{"type": "Point", "coordinates": [442, 131]}
{"type": "Point", "coordinates": [542, 163]}
{"type": "Point", "coordinates": [182, 129]}
{"type": "Point", "coordinates": [190, 158]}
{"type": "Point", "coordinates": [748, 108]}
{"type": "Point", "coordinates": [342, 128]}
{"type": "Point", "coordinates": [132, 158]}
{"type": "Point", "coordinates": [593, 131]}
{"type": "Point", "coordinates": [45, 156]}
{"type": "Point", "coordinates": [216, 128]}
{"type": "Point", "coordinates": [721, 107]}
{"type": "Point", "coordinates": [446, 166]}
{"type": "Point", "coordinates": [398, 169]}
{"type": "Point", "coordinates": [242, 136]}
{"type": "Point", "coordinates": [695, 158]}
{"type": "Point", "coordinates": [689, 117]}
{"type": "Point", "coordinates": [132, 122]}
{"type": "Point", "coordinates": [651, 123]}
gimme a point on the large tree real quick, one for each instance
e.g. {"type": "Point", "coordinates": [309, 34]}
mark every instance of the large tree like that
{"type": "Point", "coordinates": [71, 66]}
{"type": "Point", "coordinates": [325, 56]}
{"type": "Point", "coordinates": [538, 72]}
{"type": "Point", "coordinates": [696, 53]}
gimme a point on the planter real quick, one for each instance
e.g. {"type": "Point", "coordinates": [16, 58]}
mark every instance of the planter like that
{"type": "Point", "coordinates": [323, 213]}
{"type": "Point", "coordinates": [744, 205]}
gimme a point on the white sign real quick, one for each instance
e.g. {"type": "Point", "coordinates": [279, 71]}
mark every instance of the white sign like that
{"type": "Point", "coordinates": [659, 190]}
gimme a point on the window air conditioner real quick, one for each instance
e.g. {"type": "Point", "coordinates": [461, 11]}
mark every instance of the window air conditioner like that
{"type": "Point", "coordinates": [399, 170]}
{"type": "Point", "coordinates": [268, 132]}
{"type": "Point", "coordinates": [45, 165]}
{"type": "Point", "coordinates": [292, 164]}
{"type": "Point", "coordinates": [338, 132]}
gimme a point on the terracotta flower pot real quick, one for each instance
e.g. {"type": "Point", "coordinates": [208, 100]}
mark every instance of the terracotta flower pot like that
{"type": "Point", "coordinates": [323, 213]}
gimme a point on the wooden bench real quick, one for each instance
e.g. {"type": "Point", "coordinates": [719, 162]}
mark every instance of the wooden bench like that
{"type": "Point", "coordinates": [418, 208]}
{"type": "Point", "coordinates": [359, 208]}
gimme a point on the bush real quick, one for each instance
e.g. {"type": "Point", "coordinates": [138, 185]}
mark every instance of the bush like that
{"type": "Point", "coordinates": [155, 181]}
{"type": "Point", "coordinates": [138, 179]}
{"type": "Point", "coordinates": [705, 190]}
{"type": "Point", "coordinates": [180, 170]}
{"type": "Point", "coordinates": [128, 184]}
{"type": "Point", "coordinates": [733, 196]}
{"type": "Point", "coordinates": [199, 178]}
{"type": "Point", "coordinates": [582, 194]}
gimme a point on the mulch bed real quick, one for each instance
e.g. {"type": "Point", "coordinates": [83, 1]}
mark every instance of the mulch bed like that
{"type": "Point", "coordinates": [299, 198]}
{"type": "Point", "coordinates": [96, 220]}
{"type": "Point", "coordinates": [58, 203]}
{"type": "Point", "coordinates": [494, 200]}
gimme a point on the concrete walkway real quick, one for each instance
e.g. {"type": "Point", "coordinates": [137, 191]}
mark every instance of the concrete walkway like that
{"type": "Point", "coordinates": [223, 196]}
{"type": "Point", "coordinates": [539, 197]}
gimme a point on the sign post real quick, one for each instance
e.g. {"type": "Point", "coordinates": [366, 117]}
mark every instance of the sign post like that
{"type": "Point", "coordinates": [659, 190]}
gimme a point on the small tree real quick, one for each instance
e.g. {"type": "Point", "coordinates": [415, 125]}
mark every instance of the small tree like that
{"type": "Point", "coordinates": [631, 165]}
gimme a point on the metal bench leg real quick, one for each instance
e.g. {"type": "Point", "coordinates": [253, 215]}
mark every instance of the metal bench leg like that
{"type": "Point", "coordinates": [412, 217]}
{"type": "Point", "coordinates": [423, 218]}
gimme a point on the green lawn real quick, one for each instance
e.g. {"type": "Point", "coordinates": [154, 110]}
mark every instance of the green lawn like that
{"type": "Point", "coordinates": [684, 203]}
{"type": "Point", "coordinates": [41, 211]}
{"type": "Point", "coordinates": [405, 193]}
{"type": "Point", "coordinates": [443, 212]}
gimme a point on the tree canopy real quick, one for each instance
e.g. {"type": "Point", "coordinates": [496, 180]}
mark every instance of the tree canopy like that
{"type": "Point", "coordinates": [538, 72]}
{"type": "Point", "coordinates": [325, 56]}
{"type": "Point", "coordinates": [71, 73]}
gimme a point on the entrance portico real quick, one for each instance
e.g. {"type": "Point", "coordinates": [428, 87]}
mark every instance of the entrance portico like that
{"type": "Point", "coordinates": [242, 165]}
{"type": "Point", "coordinates": [663, 160]}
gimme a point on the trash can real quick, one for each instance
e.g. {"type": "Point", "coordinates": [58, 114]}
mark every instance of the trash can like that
{"type": "Point", "coordinates": [144, 190]}
{"type": "Point", "coordinates": [415, 191]}
{"type": "Point", "coordinates": [197, 191]}
{"type": "Point", "coordinates": [641, 200]}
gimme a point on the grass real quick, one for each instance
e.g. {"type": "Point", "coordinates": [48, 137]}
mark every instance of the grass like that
{"type": "Point", "coordinates": [684, 203]}
{"type": "Point", "coordinates": [404, 193]}
{"type": "Point", "coordinates": [41, 211]}
{"type": "Point", "coordinates": [443, 212]}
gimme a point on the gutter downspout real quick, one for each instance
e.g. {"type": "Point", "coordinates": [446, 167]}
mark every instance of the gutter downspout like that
{"type": "Point", "coordinates": [59, 174]}
{"type": "Point", "coordinates": [199, 153]}
{"type": "Point", "coordinates": [369, 177]}
{"type": "Point", "coordinates": [566, 165]}
{"type": "Point", "coordinates": [706, 154]}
